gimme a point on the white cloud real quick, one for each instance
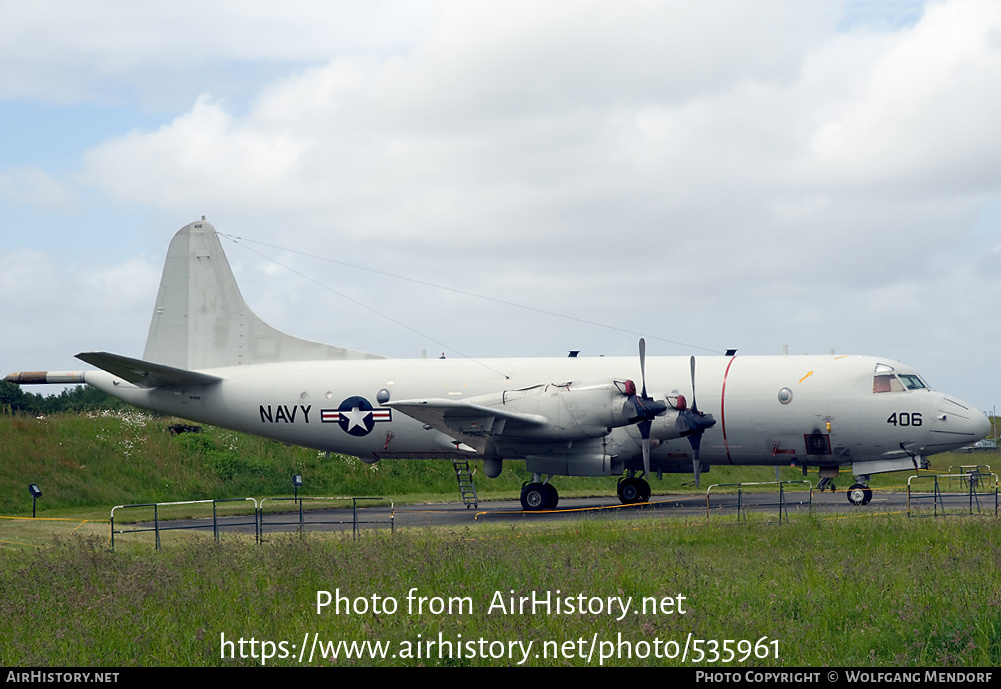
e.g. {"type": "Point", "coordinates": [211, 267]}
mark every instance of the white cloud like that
{"type": "Point", "coordinates": [54, 308]}
{"type": "Point", "coordinates": [203, 155]}
{"type": "Point", "coordinates": [925, 111]}
{"type": "Point", "coordinates": [511, 120]}
{"type": "Point", "coordinates": [35, 187]}
{"type": "Point", "coordinates": [66, 51]}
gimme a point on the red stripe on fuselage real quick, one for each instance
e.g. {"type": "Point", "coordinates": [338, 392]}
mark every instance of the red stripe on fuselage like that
{"type": "Point", "coordinates": [722, 410]}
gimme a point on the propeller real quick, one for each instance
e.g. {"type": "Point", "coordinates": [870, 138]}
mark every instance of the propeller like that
{"type": "Point", "coordinates": [692, 423]}
{"type": "Point", "coordinates": [645, 409]}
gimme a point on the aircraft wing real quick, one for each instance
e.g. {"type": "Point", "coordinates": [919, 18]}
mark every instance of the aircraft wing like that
{"type": "Point", "coordinates": [462, 418]}
{"type": "Point", "coordinates": [146, 374]}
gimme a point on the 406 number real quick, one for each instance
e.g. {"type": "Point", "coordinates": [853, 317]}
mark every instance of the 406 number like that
{"type": "Point", "coordinates": [905, 418]}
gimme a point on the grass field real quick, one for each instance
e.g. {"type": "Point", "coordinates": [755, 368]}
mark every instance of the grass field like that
{"type": "Point", "coordinates": [873, 591]}
{"type": "Point", "coordinates": [862, 592]}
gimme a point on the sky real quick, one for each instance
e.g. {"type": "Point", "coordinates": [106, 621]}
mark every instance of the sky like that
{"type": "Point", "coordinates": [514, 178]}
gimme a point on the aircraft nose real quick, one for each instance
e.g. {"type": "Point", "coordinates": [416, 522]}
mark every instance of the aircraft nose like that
{"type": "Point", "coordinates": [958, 423]}
{"type": "Point", "coordinates": [983, 426]}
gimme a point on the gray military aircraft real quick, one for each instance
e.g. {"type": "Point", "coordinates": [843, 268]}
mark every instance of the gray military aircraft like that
{"type": "Point", "coordinates": [209, 358]}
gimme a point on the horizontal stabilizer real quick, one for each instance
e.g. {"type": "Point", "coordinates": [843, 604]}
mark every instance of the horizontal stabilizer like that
{"type": "Point", "coordinates": [146, 374]}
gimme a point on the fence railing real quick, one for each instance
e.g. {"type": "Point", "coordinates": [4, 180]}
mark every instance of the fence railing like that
{"type": "Point", "coordinates": [758, 498]}
{"type": "Point", "coordinates": [257, 517]}
{"type": "Point", "coordinates": [978, 493]}
{"type": "Point", "coordinates": [310, 518]}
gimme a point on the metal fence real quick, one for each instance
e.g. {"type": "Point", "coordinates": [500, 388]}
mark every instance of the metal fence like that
{"type": "Point", "coordinates": [758, 498]}
{"type": "Point", "coordinates": [257, 517]}
{"type": "Point", "coordinates": [307, 518]}
{"type": "Point", "coordinates": [964, 472]}
{"type": "Point", "coordinates": [977, 496]}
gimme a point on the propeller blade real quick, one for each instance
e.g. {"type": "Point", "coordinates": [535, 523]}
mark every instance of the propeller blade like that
{"type": "Point", "coordinates": [695, 407]}
{"type": "Point", "coordinates": [695, 440]}
{"type": "Point", "coordinates": [644, 427]}
{"type": "Point", "coordinates": [697, 424]}
{"type": "Point", "coordinates": [643, 365]}
{"type": "Point", "coordinates": [645, 409]}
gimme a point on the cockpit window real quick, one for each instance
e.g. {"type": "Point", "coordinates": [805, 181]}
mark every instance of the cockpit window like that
{"type": "Point", "coordinates": [911, 381]}
{"type": "Point", "coordinates": [886, 383]}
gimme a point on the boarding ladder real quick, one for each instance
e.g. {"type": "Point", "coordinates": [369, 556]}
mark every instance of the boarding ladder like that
{"type": "Point", "coordinates": [466, 488]}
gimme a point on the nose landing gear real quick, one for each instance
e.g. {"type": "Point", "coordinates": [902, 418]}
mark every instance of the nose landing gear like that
{"type": "Point", "coordinates": [859, 494]}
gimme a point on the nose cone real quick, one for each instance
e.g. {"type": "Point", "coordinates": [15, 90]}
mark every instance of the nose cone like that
{"type": "Point", "coordinates": [983, 426]}
{"type": "Point", "coordinates": [956, 425]}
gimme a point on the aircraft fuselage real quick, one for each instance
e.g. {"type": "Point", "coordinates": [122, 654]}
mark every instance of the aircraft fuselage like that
{"type": "Point", "coordinates": [804, 410]}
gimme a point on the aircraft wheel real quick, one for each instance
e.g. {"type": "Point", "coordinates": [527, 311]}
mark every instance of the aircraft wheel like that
{"type": "Point", "coordinates": [644, 490]}
{"type": "Point", "coordinates": [552, 495]}
{"type": "Point", "coordinates": [859, 494]}
{"type": "Point", "coordinates": [630, 490]}
{"type": "Point", "coordinates": [534, 497]}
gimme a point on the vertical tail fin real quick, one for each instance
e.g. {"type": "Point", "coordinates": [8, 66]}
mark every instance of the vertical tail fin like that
{"type": "Point", "coordinates": [201, 320]}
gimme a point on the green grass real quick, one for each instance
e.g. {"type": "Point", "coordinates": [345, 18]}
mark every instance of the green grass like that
{"type": "Point", "coordinates": [870, 592]}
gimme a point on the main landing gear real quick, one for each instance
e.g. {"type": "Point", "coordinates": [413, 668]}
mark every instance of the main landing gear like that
{"type": "Point", "coordinates": [536, 496]}
{"type": "Point", "coordinates": [632, 490]}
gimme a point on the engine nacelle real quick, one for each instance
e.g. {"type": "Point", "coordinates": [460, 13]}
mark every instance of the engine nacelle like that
{"type": "Point", "coordinates": [666, 426]}
{"type": "Point", "coordinates": [575, 464]}
{"type": "Point", "coordinates": [571, 411]}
